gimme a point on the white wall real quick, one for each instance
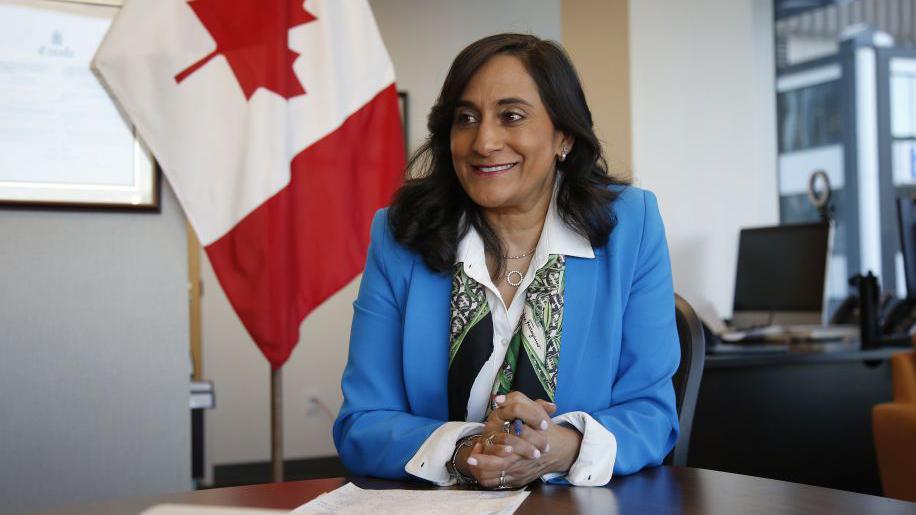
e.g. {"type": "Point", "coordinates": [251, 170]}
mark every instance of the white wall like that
{"type": "Point", "coordinates": [704, 130]}
{"type": "Point", "coordinates": [422, 38]}
{"type": "Point", "coordinates": [94, 364]}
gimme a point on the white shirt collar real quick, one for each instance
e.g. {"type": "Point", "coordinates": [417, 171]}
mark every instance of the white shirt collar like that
{"type": "Point", "coordinates": [557, 237]}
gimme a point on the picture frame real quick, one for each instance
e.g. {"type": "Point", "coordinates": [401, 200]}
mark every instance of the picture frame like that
{"type": "Point", "coordinates": [403, 110]}
{"type": "Point", "coordinates": [66, 142]}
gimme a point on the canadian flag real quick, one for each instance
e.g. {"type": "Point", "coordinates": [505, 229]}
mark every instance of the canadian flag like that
{"type": "Point", "coordinates": [276, 122]}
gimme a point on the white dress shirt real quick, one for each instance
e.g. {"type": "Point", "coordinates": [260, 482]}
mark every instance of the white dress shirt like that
{"type": "Point", "coordinates": [598, 450]}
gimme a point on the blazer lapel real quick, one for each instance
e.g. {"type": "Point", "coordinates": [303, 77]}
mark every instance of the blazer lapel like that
{"type": "Point", "coordinates": [578, 308]}
{"type": "Point", "coordinates": [426, 342]}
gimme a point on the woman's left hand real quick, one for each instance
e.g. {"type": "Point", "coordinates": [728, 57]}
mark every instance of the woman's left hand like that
{"type": "Point", "coordinates": [489, 464]}
{"type": "Point", "coordinates": [546, 447]}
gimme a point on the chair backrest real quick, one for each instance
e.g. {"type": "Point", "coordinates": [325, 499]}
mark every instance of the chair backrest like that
{"type": "Point", "coordinates": [903, 373]}
{"type": "Point", "coordinates": [893, 424]}
{"type": "Point", "coordinates": [687, 378]}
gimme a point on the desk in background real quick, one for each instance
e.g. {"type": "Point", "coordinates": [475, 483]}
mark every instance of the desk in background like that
{"type": "Point", "coordinates": [800, 417]}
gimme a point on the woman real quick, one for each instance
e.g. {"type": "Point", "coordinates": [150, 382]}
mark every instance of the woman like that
{"type": "Point", "coordinates": [516, 316]}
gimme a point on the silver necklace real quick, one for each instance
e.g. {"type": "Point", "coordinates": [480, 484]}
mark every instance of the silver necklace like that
{"type": "Point", "coordinates": [516, 273]}
{"type": "Point", "coordinates": [520, 256]}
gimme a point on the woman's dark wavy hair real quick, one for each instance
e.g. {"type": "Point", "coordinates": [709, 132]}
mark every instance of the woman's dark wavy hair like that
{"type": "Point", "coordinates": [426, 215]}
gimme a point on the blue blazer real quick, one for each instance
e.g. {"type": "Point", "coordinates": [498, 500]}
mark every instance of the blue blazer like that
{"type": "Point", "coordinates": [618, 352]}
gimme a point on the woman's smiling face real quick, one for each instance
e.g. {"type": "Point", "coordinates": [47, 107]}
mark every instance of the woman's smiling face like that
{"type": "Point", "coordinates": [503, 142]}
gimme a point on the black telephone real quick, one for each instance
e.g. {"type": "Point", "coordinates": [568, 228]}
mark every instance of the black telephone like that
{"type": "Point", "coordinates": [899, 316]}
{"type": "Point", "coordinates": [896, 317]}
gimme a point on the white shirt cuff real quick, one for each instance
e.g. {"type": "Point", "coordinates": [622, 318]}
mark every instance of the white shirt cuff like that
{"type": "Point", "coordinates": [597, 453]}
{"type": "Point", "coordinates": [430, 460]}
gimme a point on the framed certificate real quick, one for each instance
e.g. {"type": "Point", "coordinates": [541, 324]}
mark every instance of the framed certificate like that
{"type": "Point", "coordinates": [404, 111]}
{"type": "Point", "coordinates": [63, 141]}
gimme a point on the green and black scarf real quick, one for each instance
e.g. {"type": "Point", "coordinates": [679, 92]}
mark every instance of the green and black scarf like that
{"type": "Point", "coordinates": [533, 357]}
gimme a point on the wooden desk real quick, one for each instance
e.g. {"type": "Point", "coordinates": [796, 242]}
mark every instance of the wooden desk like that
{"type": "Point", "coordinates": [661, 490]}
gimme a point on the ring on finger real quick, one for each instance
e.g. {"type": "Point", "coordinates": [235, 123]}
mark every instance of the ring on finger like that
{"type": "Point", "coordinates": [489, 440]}
{"type": "Point", "coordinates": [502, 485]}
{"type": "Point", "coordinates": [507, 427]}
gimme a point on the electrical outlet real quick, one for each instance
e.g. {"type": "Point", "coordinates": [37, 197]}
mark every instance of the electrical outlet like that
{"type": "Point", "coordinates": [311, 398]}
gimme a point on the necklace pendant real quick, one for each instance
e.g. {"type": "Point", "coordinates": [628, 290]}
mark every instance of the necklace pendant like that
{"type": "Point", "coordinates": [516, 283]}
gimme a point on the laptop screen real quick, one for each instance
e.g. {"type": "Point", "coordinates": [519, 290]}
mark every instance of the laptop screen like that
{"type": "Point", "coordinates": [782, 268]}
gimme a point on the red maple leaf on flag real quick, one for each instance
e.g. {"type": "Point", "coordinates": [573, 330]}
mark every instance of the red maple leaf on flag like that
{"type": "Point", "coordinates": [253, 36]}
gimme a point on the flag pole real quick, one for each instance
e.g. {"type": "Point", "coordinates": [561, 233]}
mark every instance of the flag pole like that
{"type": "Point", "coordinates": [276, 423]}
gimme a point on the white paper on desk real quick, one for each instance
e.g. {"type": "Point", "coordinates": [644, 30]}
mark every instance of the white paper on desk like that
{"type": "Point", "coordinates": [188, 509]}
{"type": "Point", "coordinates": [353, 499]}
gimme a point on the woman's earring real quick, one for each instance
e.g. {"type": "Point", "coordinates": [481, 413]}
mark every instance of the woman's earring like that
{"type": "Point", "coordinates": [563, 154]}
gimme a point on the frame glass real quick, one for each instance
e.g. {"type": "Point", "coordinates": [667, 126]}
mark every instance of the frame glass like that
{"type": "Point", "coordinates": [63, 139]}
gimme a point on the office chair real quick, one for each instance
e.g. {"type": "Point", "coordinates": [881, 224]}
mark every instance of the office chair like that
{"type": "Point", "coordinates": [894, 425]}
{"type": "Point", "coordinates": [687, 378]}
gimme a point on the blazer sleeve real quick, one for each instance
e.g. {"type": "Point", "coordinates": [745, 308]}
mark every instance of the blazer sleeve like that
{"type": "Point", "coordinates": [375, 433]}
{"type": "Point", "coordinates": [642, 416]}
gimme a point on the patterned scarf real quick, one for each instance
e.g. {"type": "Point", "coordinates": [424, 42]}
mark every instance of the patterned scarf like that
{"type": "Point", "coordinates": [533, 355]}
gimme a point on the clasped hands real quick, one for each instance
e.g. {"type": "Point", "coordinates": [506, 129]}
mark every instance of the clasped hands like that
{"type": "Point", "coordinates": [541, 448]}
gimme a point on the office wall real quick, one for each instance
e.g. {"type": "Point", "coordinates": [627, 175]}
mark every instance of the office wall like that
{"type": "Point", "coordinates": [596, 34]}
{"type": "Point", "coordinates": [93, 355]}
{"type": "Point", "coordinates": [422, 38]}
{"type": "Point", "coordinates": [704, 130]}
